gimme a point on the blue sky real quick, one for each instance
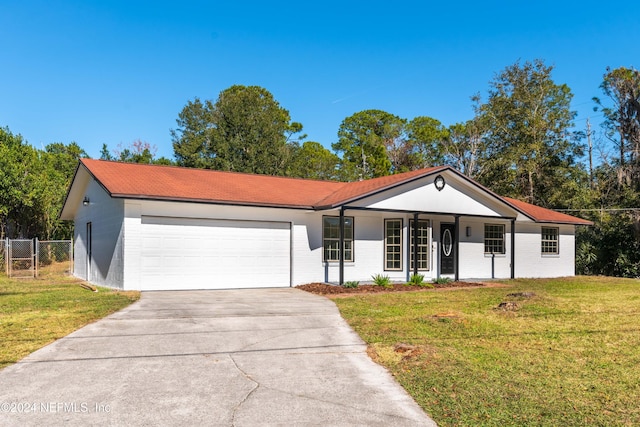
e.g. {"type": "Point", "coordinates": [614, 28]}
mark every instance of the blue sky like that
{"type": "Point", "coordinates": [116, 71]}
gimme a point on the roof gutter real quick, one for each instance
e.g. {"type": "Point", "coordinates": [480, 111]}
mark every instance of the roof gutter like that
{"type": "Point", "coordinates": [207, 201]}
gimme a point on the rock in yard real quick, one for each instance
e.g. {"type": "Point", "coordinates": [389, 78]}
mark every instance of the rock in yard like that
{"type": "Point", "coordinates": [522, 294]}
{"type": "Point", "coordinates": [507, 306]}
{"type": "Point", "coordinates": [403, 348]}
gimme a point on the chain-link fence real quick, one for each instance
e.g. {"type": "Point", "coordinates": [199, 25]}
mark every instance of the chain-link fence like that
{"type": "Point", "coordinates": [54, 256]}
{"type": "Point", "coordinates": [21, 258]}
{"type": "Point", "coordinates": [32, 258]}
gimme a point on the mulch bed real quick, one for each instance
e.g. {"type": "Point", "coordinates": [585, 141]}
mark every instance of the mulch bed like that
{"type": "Point", "coordinates": [325, 289]}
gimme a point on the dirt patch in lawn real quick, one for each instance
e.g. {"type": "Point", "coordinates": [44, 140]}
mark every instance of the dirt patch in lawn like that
{"type": "Point", "coordinates": [333, 290]}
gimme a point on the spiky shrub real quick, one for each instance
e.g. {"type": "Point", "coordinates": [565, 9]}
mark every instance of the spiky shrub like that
{"type": "Point", "coordinates": [351, 284]}
{"type": "Point", "coordinates": [442, 280]}
{"type": "Point", "coordinates": [381, 280]}
{"type": "Point", "coordinates": [416, 279]}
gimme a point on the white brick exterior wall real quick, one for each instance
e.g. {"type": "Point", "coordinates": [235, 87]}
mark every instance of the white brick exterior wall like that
{"type": "Point", "coordinates": [106, 217]}
{"type": "Point", "coordinates": [530, 262]}
{"type": "Point", "coordinates": [117, 235]}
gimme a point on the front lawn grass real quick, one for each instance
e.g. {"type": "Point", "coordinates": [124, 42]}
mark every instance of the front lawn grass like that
{"type": "Point", "coordinates": [35, 312]}
{"type": "Point", "coordinates": [568, 356]}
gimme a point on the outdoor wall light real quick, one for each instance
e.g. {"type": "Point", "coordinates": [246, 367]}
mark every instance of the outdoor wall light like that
{"type": "Point", "coordinates": [85, 202]}
{"type": "Point", "coordinates": [468, 231]}
{"type": "Point", "coordinates": [439, 182]}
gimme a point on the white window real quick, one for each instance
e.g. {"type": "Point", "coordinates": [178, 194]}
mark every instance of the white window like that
{"type": "Point", "coordinates": [331, 238]}
{"type": "Point", "coordinates": [550, 240]}
{"type": "Point", "coordinates": [393, 244]}
{"type": "Point", "coordinates": [494, 238]}
{"type": "Point", "coordinates": [423, 244]}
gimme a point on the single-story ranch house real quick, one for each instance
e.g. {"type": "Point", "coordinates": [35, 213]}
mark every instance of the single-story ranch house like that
{"type": "Point", "coordinates": [149, 227]}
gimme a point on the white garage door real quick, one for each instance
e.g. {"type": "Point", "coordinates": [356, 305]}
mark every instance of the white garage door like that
{"type": "Point", "coordinates": [181, 253]}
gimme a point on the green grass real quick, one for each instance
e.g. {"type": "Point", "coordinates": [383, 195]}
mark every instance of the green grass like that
{"type": "Point", "coordinates": [36, 312]}
{"type": "Point", "coordinates": [568, 356]}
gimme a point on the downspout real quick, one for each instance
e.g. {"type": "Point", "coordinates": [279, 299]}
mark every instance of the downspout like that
{"type": "Point", "coordinates": [457, 243]}
{"type": "Point", "coordinates": [341, 246]}
{"type": "Point", "coordinates": [415, 244]}
{"type": "Point", "coordinates": [513, 248]}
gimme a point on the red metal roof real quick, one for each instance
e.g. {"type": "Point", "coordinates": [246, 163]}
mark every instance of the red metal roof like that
{"type": "Point", "coordinates": [359, 189]}
{"type": "Point", "coordinates": [203, 185]}
{"type": "Point", "coordinates": [539, 214]}
{"type": "Point", "coordinates": [131, 180]}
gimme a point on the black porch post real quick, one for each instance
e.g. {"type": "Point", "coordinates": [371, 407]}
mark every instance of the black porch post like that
{"type": "Point", "coordinates": [415, 243]}
{"type": "Point", "coordinates": [457, 247]}
{"type": "Point", "coordinates": [341, 246]}
{"type": "Point", "coordinates": [513, 248]}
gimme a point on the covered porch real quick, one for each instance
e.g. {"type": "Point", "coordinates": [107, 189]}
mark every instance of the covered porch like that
{"type": "Point", "coordinates": [446, 232]}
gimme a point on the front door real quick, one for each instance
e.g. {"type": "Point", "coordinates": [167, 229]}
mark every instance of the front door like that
{"type": "Point", "coordinates": [447, 248]}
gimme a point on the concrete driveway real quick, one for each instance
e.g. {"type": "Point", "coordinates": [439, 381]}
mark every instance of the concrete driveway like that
{"type": "Point", "coordinates": [228, 358]}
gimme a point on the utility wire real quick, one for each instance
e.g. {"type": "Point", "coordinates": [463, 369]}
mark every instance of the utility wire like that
{"type": "Point", "coordinates": [598, 210]}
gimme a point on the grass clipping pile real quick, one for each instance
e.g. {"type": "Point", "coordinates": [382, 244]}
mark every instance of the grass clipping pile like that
{"type": "Point", "coordinates": [326, 289]}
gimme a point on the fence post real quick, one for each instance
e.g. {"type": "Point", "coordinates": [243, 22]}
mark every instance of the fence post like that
{"type": "Point", "coordinates": [10, 254]}
{"type": "Point", "coordinates": [36, 252]}
{"type": "Point", "coordinates": [71, 260]}
{"type": "Point", "coordinates": [6, 255]}
{"type": "Point", "coordinates": [10, 266]}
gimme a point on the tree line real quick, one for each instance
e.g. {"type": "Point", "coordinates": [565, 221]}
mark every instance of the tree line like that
{"type": "Point", "coordinates": [521, 142]}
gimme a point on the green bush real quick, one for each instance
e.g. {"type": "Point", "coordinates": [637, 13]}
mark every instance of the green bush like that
{"type": "Point", "coordinates": [416, 280]}
{"type": "Point", "coordinates": [611, 247]}
{"type": "Point", "coordinates": [442, 280]}
{"type": "Point", "coordinates": [351, 284]}
{"type": "Point", "coordinates": [381, 280]}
